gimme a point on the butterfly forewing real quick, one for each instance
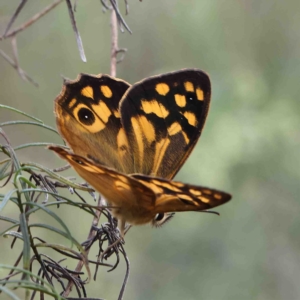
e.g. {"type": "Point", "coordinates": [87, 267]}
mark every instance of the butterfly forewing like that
{"type": "Point", "coordinates": [88, 117]}
{"type": "Point", "coordinates": [163, 117]}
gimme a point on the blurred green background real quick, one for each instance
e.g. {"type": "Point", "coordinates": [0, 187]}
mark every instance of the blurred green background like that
{"type": "Point", "coordinates": [250, 145]}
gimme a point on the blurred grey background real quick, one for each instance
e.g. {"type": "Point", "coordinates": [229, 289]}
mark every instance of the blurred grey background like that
{"type": "Point", "coordinates": [249, 147]}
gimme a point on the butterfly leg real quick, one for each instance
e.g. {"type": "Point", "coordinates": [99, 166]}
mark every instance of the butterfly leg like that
{"type": "Point", "coordinates": [127, 229]}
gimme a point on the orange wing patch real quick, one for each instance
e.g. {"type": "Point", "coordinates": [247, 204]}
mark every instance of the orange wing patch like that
{"type": "Point", "coordinates": [180, 100]}
{"type": "Point", "coordinates": [102, 111]}
{"type": "Point", "coordinates": [106, 91]}
{"type": "Point", "coordinates": [189, 87]}
{"type": "Point", "coordinates": [154, 107]}
{"type": "Point", "coordinates": [200, 95]}
{"type": "Point", "coordinates": [87, 92]}
{"type": "Point", "coordinates": [162, 88]}
{"type": "Point", "coordinates": [191, 118]}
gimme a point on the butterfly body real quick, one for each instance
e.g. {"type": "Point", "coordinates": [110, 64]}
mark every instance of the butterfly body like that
{"type": "Point", "coordinates": [128, 142]}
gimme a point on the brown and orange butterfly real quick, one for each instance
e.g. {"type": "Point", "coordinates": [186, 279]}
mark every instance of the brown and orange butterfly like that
{"type": "Point", "coordinates": [128, 142]}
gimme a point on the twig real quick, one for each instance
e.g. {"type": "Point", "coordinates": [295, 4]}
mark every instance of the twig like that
{"type": "Point", "coordinates": [15, 15]}
{"type": "Point", "coordinates": [15, 66]}
{"type": "Point", "coordinates": [12, 34]}
{"type": "Point", "coordinates": [78, 38]}
{"type": "Point", "coordinates": [127, 7]}
{"type": "Point", "coordinates": [91, 235]}
{"type": "Point", "coordinates": [16, 57]}
{"type": "Point", "coordinates": [114, 43]}
{"type": "Point", "coordinates": [120, 18]}
{"type": "Point", "coordinates": [31, 21]}
{"type": "Point", "coordinates": [126, 276]}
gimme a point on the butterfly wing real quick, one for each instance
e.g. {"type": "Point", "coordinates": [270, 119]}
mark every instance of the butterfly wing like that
{"type": "Point", "coordinates": [88, 118]}
{"type": "Point", "coordinates": [173, 196]}
{"type": "Point", "coordinates": [131, 200]}
{"type": "Point", "coordinates": [163, 117]}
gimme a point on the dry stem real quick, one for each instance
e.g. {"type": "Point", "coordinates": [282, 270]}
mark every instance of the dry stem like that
{"type": "Point", "coordinates": [91, 235]}
{"type": "Point", "coordinates": [114, 43]}
{"type": "Point", "coordinates": [32, 20]}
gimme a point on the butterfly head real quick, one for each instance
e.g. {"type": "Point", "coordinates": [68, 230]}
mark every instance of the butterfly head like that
{"type": "Point", "coordinates": [161, 218]}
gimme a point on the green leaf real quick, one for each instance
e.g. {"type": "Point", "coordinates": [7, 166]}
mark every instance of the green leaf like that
{"type": "Point", "coordinates": [9, 293]}
{"type": "Point", "coordinates": [20, 112]}
{"type": "Point", "coordinates": [60, 232]}
{"type": "Point", "coordinates": [19, 122]}
{"type": "Point", "coordinates": [6, 198]}
{"type": "Point", "coordinates": [54, 216]}
{"type": "Point", "coordinates": [26, 244]}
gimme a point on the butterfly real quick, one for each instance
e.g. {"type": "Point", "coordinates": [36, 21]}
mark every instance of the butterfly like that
{"type": "Point", "coordinates": [128, 142]}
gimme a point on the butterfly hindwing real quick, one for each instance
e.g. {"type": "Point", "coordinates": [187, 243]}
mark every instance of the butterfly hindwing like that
{"type": "Point", "coordinates": [131, 200]}
{"type": "Point", "coordinates": [88, 117]}
{"type": "Point", "coordinates": [174, 196]}
{"type": "Point", "coordinates": [163, 117]}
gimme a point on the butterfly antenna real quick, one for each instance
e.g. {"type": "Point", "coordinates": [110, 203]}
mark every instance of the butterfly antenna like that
{"type": "Point", "coordinates": [210, 212]}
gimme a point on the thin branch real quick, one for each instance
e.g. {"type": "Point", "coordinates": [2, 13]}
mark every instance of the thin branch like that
{"type": "Point", "coordinates": [114, 43]}
{"type": "Point", "coordinates": [126, 275]}
{"type": "Point", "coordinates": [15, 15]}
{"type": "Point", "coordinates": [15, 66]}
{"type": "Point", "coordinates": [127, 7]}
{"type": "Point", "coordinates": [32, 20]}
{"type": "Point", "coordinates": [12, 34]}
{"type": "Point", "coordinates": [119, 16]}
{"type": "Point", "coordinates": [16, 57]}
{"type": "Point", "coordinates": [91, 235]}
{"type": "Point", "coordinates": [78, 38]}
